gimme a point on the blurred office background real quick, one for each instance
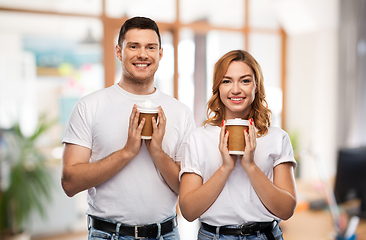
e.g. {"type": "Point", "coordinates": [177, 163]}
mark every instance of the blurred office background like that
{"type": "Point", "coordinates": [52, 52]}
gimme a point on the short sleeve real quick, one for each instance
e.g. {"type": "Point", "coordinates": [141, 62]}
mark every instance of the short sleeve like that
{"type": "Point", "coordinates": [189, 160]}
{"type": "Point", "coordinates": [189, 126]}
{"type": "Point", "coordinates": [286, 154]}
{"type": "Point", "coordinates": [78, 129]}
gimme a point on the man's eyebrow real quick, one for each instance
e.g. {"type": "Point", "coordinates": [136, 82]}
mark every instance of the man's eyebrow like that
{"type": "Point", "coordinates": [132, 43]}
{"type": "Point", "coordinates": [137, 43]}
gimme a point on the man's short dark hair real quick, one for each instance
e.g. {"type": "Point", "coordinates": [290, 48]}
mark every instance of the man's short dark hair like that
{"type": "Point", "coordinates": [138, 23]}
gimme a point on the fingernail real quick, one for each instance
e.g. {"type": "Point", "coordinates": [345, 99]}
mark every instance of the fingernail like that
{"type": "Point", "coordinates": [246, 130]}
{"type": "Point", "coordinates": [225, 131]}
{"type": "Point", "coordinates": [223, 122]}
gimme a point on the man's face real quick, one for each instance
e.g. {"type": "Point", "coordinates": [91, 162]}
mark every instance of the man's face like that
{"type": "Point", "coordinates": [140, 55]}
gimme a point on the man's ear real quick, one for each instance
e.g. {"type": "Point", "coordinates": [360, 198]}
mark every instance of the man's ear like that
{"type": "Point", "coordinates": [118, 51]}
{"type": "Point", "coordinates": [160, 53]}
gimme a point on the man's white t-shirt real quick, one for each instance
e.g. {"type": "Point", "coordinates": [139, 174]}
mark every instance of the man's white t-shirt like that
{"type": "Point", "coordinates": [137, 194]}
{"type": "Point", "coordinates": [237, 203]}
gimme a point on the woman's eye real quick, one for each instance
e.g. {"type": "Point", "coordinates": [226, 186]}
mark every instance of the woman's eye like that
{"type": "Point", "coordinates": [246, 81]}
{"type": "Point", "coordinates": [225, 81]}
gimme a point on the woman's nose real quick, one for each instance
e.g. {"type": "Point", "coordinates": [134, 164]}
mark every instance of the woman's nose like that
{"type": "Point", "coordinates": [235, 89]}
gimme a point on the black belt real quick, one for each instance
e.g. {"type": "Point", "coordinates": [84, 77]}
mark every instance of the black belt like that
{"type": "Point", "coordinates": [247, 229]}
{"type": "Point", "coordinates": [140, 231]}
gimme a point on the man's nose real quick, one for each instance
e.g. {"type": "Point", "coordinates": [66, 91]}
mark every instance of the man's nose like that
{"type": "Point", "coordinates": [143, 53]}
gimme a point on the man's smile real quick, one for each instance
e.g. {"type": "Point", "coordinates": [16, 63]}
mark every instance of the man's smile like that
{"type": "Point", "coordinates": [142, 65]}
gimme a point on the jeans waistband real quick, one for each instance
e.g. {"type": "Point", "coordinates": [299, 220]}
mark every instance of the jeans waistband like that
{"type": "Point", "coordinates": [246, 229]}
{"type": "Point", "coordinates": [137, 231]}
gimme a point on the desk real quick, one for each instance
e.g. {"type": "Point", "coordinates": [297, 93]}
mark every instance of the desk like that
{"type": "Point", "coordinates": [308, 224]}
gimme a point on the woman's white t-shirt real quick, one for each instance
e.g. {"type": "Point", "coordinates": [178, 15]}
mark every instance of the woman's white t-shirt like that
{"type": "Point", "coordinates": [237, 203]}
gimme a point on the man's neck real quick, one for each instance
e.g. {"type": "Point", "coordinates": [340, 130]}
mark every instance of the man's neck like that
{"type": "Point", "coordinates": [137, 88]}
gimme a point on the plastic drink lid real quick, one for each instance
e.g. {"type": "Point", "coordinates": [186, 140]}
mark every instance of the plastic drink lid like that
{"type": "Point", "coordinates": [237, 121]}
{"type": "Point", "coordinates": [147, 107]}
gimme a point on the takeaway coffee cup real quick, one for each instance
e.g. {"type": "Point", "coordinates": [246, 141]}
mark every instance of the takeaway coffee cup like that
{"type": "Point", "coordinates": [236, 142]}
{"type": "Point", "coordinates": [147, 110]}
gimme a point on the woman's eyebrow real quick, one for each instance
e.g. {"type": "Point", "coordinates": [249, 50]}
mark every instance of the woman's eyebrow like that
{"type": "Point", "coordinates": [244, 76]}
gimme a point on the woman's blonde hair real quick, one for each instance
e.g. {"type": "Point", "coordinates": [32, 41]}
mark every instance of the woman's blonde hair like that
{"type": "Point", "coordinates": [259, 112]}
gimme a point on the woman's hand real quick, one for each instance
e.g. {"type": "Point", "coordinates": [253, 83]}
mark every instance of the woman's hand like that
{"type": "Point", "coordinates": [250, 145]}
{"type": "Point", "coordinates": [228, 161]}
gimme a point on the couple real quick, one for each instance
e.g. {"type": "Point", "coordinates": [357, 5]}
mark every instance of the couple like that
{"type": "Point", "coordinates": [133, 186]}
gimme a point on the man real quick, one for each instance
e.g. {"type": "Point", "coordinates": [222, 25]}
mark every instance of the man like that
{"type": "Point", "coordinates": [132, 185]}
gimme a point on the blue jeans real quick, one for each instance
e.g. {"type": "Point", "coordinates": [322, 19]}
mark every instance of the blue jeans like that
{"type": "Point", "coordinates": [95, 234]}
{"type": "Point", "coordinates": [205, 235]}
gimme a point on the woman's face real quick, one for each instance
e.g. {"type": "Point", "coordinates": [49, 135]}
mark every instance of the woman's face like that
{"type": "Point", "coordinates": [237, 90]}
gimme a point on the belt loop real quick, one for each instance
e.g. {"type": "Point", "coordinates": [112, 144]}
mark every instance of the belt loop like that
{"type": "Point", "coordinates": [88, 222]}
{"type": "Point", "coordinates": [217, 236]}
{"type": "Point", "coordinates": [118, 226]}
{"type": "Point", "coordinates": [159, 230]}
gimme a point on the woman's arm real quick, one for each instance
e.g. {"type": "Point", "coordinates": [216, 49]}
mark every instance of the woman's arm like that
{"type": "Point", "coordinates": [195, 197]}
{"type": "Point", "coordinates": [278, 197]}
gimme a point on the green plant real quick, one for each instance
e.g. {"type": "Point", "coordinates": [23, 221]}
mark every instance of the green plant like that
{"type": "Point", "coordinates": [294, 138]}
{"type": "Point", "coordinates": [28, 182]}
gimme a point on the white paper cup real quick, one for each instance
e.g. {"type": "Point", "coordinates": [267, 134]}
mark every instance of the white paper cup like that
{"type": "Point", "coordinates": [147, 110]}
{"type": "Point", "coordinates": [236, 142]}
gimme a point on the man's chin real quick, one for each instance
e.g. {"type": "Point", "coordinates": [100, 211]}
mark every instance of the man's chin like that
{"type": "Point", "coordinates": [142, 80]}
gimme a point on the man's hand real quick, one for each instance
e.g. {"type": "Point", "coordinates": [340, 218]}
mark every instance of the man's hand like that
{"type": "Point", "coordinates": [155, 144]}
{"type": "Point", "coordinates": [134, 141]}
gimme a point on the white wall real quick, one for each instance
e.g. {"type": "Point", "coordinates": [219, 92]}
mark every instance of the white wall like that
{"type": "Point", "coordinates": [311, 90]}
{"type": "Point", "coordinates": [312, 96]}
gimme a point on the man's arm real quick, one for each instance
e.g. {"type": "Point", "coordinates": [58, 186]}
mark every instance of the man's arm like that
{"type": "Point", "coordinates": [166, 165]}
{"type": "Point", "coordinates": [168, 169]}
{"type": "Point", "coordinates": [78, 174]}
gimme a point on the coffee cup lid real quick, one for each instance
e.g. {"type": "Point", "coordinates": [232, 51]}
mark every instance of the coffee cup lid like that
{"type": "Point", "coordinates": [147, 107]}
{"type": "Point", "coordinates": [237, 121]}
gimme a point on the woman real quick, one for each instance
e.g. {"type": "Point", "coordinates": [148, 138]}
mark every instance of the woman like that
{"type": "Point", "coordinates": [237, 195]}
